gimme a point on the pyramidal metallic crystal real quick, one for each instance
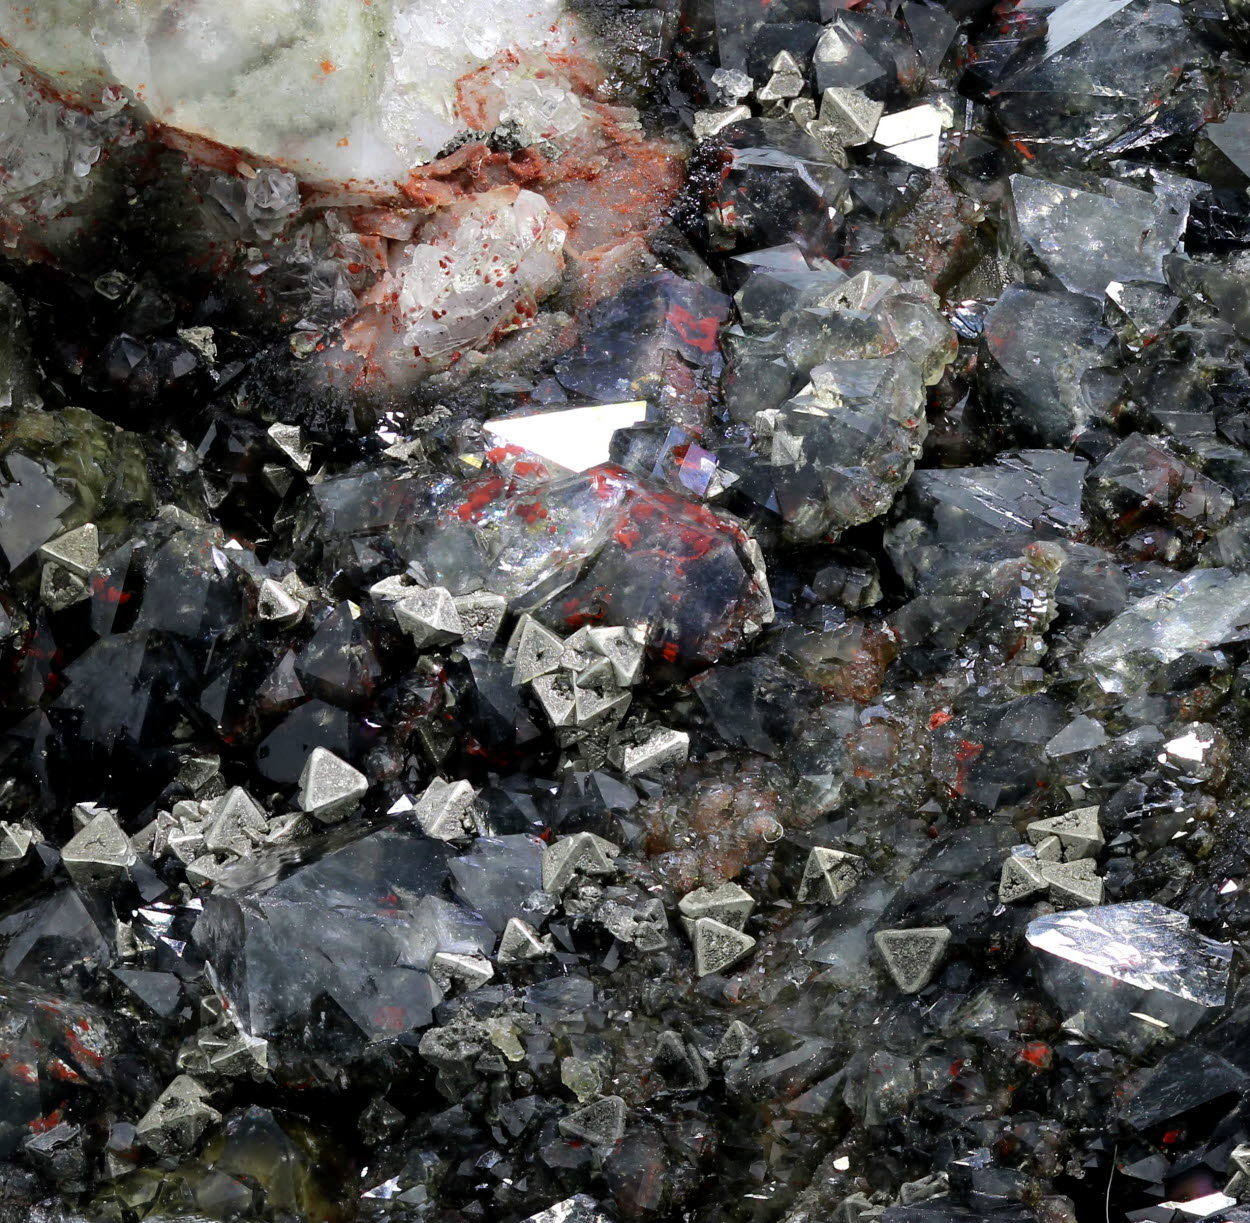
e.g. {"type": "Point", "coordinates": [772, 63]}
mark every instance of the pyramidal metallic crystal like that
{"type": "Point", "coordinates": [329, 787]}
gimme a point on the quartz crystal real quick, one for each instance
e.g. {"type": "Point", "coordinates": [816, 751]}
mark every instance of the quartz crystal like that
{"type": "Point", "coordinates": [1134, 972]}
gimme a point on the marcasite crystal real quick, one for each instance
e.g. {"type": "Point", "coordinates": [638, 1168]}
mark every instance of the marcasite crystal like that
{"type": "Point", "coordinates": [583, 853]}
{"type": "Point", "coordinates": [601, 1124]}
{"type": "Point", "coordinates": [718, 947]}
{"type": "Point", "coordinates": [445, 809]}
{"type": "Point", "coordinates": [178, 1118]}
{"type": "Point", "coordinates": [77, 551]}
{"type": "Point", "coordinates": [99, 850]}
{"type": "Point", "coordinates": [912, 957]}
{"type": "Point", "coordinates": [520, 941]}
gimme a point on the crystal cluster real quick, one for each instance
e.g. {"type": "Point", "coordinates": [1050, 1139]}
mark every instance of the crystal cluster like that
{"type": "Point", "coordinates": [624, 612]}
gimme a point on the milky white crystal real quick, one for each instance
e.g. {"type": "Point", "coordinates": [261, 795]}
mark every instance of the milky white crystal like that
{"type": "Point", "coordinates": [337, 91]}
{"type": "Point", "coordinates": [478, 272]}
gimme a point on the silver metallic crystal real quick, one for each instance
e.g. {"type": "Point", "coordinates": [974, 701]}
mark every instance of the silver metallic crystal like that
{"type": "Point", "coordinates": [580, 1208]}
{"type": "Point", "coordinates": [661, 745]}
{"type": "Point", "coordinates": [582, 853]}
{"type": "Point", "coordinates": [15, 841]}
{"type": "Point", "coordinates": [727, 903]}
{"type": "Point", "coordinates": [785, 81]}
{"type": "Point", "coordinates": [718, 947]}
{"type": "Point", "coordinates": [912, 957]}
{"type": "Point", "coordinates": [277, 605]}
{"type": "Point", "coordinates": [853, 115]}
{"type": "Point", "coordinates": [1078, 831]}
{"type": "Point", "coordinates": [1072, 884]}
{"type": "Point", "coordinates": [623, 647]}
{"type": "Point", "coordinates": [520, 941]}
{"type": "Point", "coordinates": [429, 617]}
{"type": "Point", "coordinates": [177, 1118]}
{"type": "Point", "coordinates": [596, 694]}
{"type": "Point", "coordinates": [59, 588]}
{"type": "Point", "coordinates": [1049, 849]}
{"type": "Point", "coordinates": [558, 697]}
{"type": "Point", "coordinates": [708, 122]}
{"type": "Point", "coordinates": [829, 875]}
{"type": "Point", "coordinates": [601, 1123]}
{"type": "Point", "coordinates": [329, 788]}
{"type": "Point", "coordinates": [77, 550]}
{"type": "Point", "coordinates": [99, 849]}
{"type": "Point", "coordinates": [537, 651]}
{"type": "Point", "coordinates": [445, 810]}
{"type": "Point", "coordinates": [481, 615]}
{"type": "Point", "coordinates": [1238, 1185]}
{"type": "Point", "coordinates": [291, 441]}
{"type": "Point", "coordinates": [737, 1042]}
{"type": "Point", "coordinates": [450, 968]}
{"type": "Point", "coordinates": [1020, 879]}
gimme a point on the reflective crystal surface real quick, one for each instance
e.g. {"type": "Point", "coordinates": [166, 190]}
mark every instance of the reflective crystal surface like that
{"type": "Point", "coordinates": [1133, 971]}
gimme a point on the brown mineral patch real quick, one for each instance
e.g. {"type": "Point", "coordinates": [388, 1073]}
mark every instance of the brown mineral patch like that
{"type": "Point", "coordinates": [714, 823]}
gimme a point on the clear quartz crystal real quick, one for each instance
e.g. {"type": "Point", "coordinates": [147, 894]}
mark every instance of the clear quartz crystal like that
{"type": "Point", "coordinates": [1132, 971]}
{"type": "Point", "coordinates": [1205, 609]}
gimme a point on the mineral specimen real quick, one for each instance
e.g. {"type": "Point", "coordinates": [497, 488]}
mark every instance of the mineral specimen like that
{"type": "Point", "coordinates": [624, 611]}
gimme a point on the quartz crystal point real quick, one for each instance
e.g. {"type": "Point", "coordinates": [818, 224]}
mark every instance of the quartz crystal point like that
{"type": "Point", "coordinates": [841, 420]}
{"type": "Point", "coordinates": [1106, 69]}
{"type": "Point", "coordinates": [1087, 240]}
{"type": "Point", "coordinates": [1040, 347]}
{"type": "Point", "coordinates": [1135, 972]}
{"type": "Point", "coordinates": [580, 1208]}
{"type": "Point", "coordinates": [686, 576]}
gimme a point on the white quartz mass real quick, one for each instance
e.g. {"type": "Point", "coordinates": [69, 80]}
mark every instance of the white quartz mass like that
{"type": "Point", "coordinates": [336, 91]}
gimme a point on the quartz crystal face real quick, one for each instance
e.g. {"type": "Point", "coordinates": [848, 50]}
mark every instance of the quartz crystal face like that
{"type": "Point", "coordinates": [624, 611]}
{"type": "Point", "coordinates": [1133, 971]}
